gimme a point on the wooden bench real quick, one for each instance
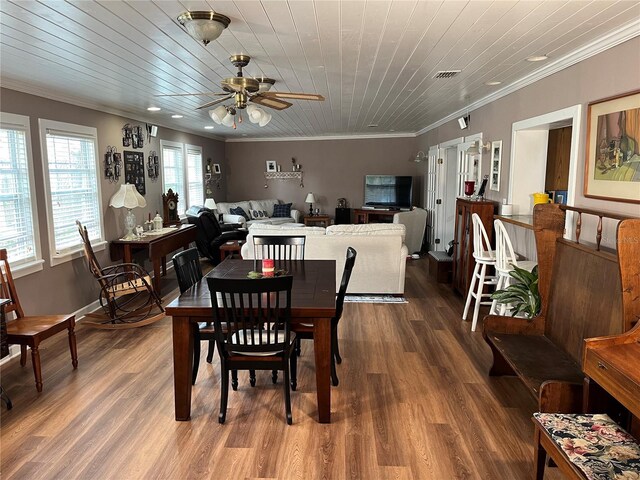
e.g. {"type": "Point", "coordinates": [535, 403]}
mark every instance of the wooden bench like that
{"type": "Point", "coordinates": [581, 295]}
{"type": "Point", "coordinates": [440, 266]}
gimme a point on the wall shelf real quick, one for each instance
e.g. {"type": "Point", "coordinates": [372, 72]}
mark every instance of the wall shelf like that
{"type": "Point", "coordinates": [283, 176]}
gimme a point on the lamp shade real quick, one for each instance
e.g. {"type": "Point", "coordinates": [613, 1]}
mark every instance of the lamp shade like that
{"type": "Point", "coordinates": [310, 198]}
{"type": "Point", "coordinates": [210, 203]}
{"type": "Point", "coordinates": [228, 120]}
{"type": "Point", "coordinates": [218, 113]}
{"type": "Point", "coordinates": [264, 119]}
{"type": "Point", "coordinates": [128, 197]}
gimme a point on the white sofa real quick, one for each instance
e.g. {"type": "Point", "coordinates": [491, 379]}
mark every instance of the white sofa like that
{"type": "Point", "coordinates": [258, 206]}
{"type": "Point", "coordinates": [415, 222]}
{"type": "Point", "coordinates": [382, 255]}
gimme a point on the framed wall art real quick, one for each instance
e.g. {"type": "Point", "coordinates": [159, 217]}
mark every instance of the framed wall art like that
{"type": "Point", "coordinates": [134, 170]}
{"type": "Point", "coordinates": [612, 168]}
{"type": "Point", "coordinates": [496, 163]}
{"type": "Point", "coordinates": [272, 166]}
{"type": "Point", "coordinates": [216, 169]}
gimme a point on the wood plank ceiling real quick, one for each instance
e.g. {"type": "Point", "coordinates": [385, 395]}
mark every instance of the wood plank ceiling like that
{"type": "Point", "coordinates": [373, 61]}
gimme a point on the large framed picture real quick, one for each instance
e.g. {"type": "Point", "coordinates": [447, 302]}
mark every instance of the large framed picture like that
{"type": "Point", "coordinates": [612, 168]}
{"type": "Point", "coordinates": [134, 170]}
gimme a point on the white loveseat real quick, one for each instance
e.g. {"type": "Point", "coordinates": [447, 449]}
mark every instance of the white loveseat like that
{"type": "Point", "coordinates": [382, 255]}
{"type": "Point", "coordinates": [256, 210]}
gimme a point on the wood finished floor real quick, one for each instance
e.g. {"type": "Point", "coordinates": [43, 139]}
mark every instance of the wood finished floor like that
{"type": "Point", "coordinates": [414, 402]}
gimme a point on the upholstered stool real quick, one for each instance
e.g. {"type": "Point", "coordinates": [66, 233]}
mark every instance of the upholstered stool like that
{"type": "Point", "coordinates": [585, 446]}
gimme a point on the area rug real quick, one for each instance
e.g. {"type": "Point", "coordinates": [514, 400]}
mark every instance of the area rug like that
{"type": "Point", "coordinates": [374, 299]}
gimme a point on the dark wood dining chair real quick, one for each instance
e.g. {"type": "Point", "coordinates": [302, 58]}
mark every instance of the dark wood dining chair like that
{"type": "Point", "coordinates": [279, 247]}
{"type": "Point", "coordinates": [30, 331]}
{"type": "Point", "coordinates": [127, 296]}
{"type": "Point", "coordinates": [257, 332]}
{"type": "Point", "coordinates": [189, 272]}
{"type": "Point", "coordinates": [305, 331]}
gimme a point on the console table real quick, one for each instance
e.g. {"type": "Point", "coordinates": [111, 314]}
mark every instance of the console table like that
{"type": "Point", "coordinates": [318, 220]}
{"type": "Point", "coordinates": [159, 245]}
{"type": "Point", "coordinates": [374, 216]}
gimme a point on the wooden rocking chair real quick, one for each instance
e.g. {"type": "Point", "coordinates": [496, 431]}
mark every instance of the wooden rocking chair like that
{"type": "Point", "coordinates": [127, 296]}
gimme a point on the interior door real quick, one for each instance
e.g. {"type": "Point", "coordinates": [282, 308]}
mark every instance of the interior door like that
{"type": "Point", "coordinates": [431, 196]}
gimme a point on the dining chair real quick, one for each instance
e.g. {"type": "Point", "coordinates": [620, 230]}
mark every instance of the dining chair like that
{"type": "Point", "coordinates": [484, 257]}
{"type": "Point", "coordinates": [29, 331]}
{"type": "Point", "coordinates": [127, 296]}
{"type": "Point", "coordinates": [257, 332]}
{"type": "Point", "coordinates": [279, 247]}
{"type": "Point", "coordinates": [305, 330]}
{"type": "Point", "coordinates": [189, 272]}
{"type": "Point", "coordinates": [506, 259]}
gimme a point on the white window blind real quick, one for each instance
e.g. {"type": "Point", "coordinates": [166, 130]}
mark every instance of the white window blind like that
{"type": "Point", "coordinates": [195, 185]}
{"type": "Point", "coordinates": [73, 188]}
{"type": "Point", "coordinates": [17, 233]}
{"type": "Point", "coordinates": [173, 172]}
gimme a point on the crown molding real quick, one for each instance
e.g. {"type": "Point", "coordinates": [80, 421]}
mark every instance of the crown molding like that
{"type": "Point", "coordinates": [320, 137]}
{"type": "Point", "coordinates": [610, 40]}
{"type": "Point", "coordinates": [23, 87]}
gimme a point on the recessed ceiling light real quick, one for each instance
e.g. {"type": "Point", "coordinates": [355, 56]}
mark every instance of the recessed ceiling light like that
{"type": "Point", "coordinates": [537, 58]}
{"type": "Point", "coordinates": [372, 125]}
{"type": "Point", "coordinates": [209, 127]}
{"type": "Point", "coordinates": [154, 109]}
{"type": "Point", "coordinates": [176, 116]}
{"type": "Point", "coordinates": [492, 83]}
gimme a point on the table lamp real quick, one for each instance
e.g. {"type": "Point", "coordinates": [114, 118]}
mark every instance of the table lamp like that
{"type": "Point", "coordinates": [210, 203]}
{"type": "Point", "coordinates": [128, 197]}
{"type": "Point", "coordinates": [310, 200]}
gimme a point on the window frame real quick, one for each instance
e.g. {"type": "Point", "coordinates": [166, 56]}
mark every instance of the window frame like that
{"type": "Point", "coordinates": [83, 131]}
{"type": "Point", "coordinates": [197, 148]}
{"type": "Point", "coordinates": [14, 121]}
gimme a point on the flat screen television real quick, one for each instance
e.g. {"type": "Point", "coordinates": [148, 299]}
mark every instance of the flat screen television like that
{"type": "Point", "coordinates": [387, 191]}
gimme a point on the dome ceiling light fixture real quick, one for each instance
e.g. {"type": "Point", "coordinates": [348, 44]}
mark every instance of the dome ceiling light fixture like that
{"type": "Point", "coordinates": [242, 90]}
{"type": "Point", "coordinates": [204, 26]}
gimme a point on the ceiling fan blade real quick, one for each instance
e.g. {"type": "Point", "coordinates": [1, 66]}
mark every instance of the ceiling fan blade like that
{"type": "Point", "coordinates": [270, 102]}
{"type": "Point", "coordinates": [215, 102]}
{"type": "Point", "coordinates": [189, 94]}
{"type": "Point", "coordinates": [295, 96]}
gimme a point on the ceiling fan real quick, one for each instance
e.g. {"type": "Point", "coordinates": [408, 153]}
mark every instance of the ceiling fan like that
{"type": "Point", "coordinates": [246, 89]}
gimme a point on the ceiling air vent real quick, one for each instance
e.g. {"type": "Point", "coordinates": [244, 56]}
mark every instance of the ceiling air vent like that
{"type": "Point", "coordinates": [446, 73]}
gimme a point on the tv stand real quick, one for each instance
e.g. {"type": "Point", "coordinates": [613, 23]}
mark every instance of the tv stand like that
{"type": "Point", "coordinates": [367, 215]}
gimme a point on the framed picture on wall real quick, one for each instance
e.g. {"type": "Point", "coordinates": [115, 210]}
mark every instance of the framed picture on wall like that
{"type": "Point", "coordinates": [216, 169]}
{"type": "Point", "coordinates": [272, 166]}
{"type": "Point", "coordinates": [612, 168]}
{"type": "Point", "coordinates": [496, 164]}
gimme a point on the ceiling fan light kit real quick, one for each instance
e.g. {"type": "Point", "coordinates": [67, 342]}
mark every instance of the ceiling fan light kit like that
{"type": "Point", "coordinates": [242, 90]}
{"type": "Point", "coordinates": [204, 26]}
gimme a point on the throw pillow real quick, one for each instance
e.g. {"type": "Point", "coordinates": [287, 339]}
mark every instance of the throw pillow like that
{"type": "Point", "coordinates": [259, 214]}
{"type": "Point", "coordinates": [239, 211]}
{"type": "Point", "coordinates": [282, 211]}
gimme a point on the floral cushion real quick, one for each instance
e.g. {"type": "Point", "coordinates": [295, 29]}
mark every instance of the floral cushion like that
{"type": "Point", "coordinates": [595, 444]}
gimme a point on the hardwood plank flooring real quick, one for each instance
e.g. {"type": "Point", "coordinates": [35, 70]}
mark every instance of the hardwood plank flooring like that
{"type": "Point", "coordinates": [414, 402]}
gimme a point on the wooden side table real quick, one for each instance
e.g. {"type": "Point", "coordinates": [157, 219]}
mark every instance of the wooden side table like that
{"type": "Point", "coordinates": [325, 220]}
{"type": "Point", "coordinates": [229, 248]}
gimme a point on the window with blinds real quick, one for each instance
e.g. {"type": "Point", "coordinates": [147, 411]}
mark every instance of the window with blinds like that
{"type": "Point", "coordinates": [17, 203]}
{"type": "Point", "coordinates": [173, 171]}
{"type": "Point", "coordinates": [195, 185]}
{"type": "Point", "coordinates": [72, 185]}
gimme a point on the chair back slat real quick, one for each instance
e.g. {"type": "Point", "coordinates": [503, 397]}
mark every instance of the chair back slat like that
{"type": "Point", "coordinates": [188, 269]}
{"type": "Point", "coordinates": [481, 243]}
{"type": "Point", "coordinates": [7, 287]}
{"type": "Point", "coordinates": [257, 314]}
{"type": "Point", "coordinates": [344, 283]}
{"type": "Point", "coordinates": [279, 247]}
{"type": "Point", "coordinates": [505, 254]}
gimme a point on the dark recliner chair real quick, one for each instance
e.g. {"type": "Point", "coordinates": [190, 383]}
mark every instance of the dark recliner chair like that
{"type": "Point", "coordinates": [210, 234]}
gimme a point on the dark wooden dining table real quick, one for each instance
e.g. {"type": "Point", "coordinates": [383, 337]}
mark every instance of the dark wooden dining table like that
{"type": "Point", "coordinates": [313, 301]}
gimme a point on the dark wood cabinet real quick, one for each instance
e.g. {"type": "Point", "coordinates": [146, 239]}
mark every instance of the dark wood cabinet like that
{"type": "Point", "coordinates": [463, 262]}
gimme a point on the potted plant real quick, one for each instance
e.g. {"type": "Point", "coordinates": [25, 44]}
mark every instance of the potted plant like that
{"type": "Point", "coordinates": [522, 295]}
